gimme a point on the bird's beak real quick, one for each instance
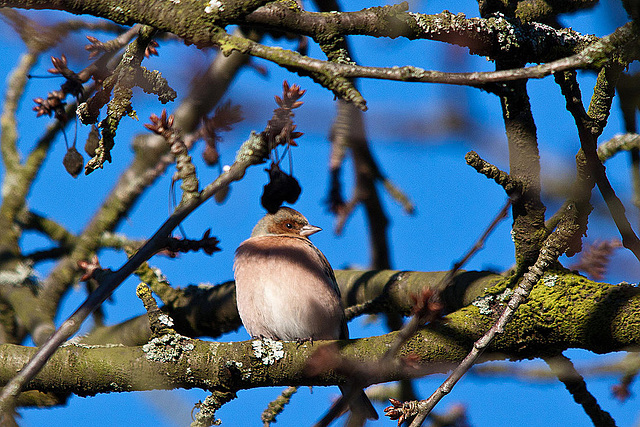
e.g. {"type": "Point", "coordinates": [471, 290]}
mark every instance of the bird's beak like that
{"type": "Point", "coordinates": [309, 229]}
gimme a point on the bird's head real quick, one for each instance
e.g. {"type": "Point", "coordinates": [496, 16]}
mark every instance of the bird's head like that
{"type": "Point", "coordinates": [285, 222]}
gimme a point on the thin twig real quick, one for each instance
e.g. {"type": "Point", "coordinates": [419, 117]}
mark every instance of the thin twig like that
{"type": "Point", "coordinates": [552, 248]}
{"type": "Point", "coordinates": [512, 186]}
{"type": "Point", "coordinates": [623, 142]}
{"type": "Point", "coordinates": [148, 165]}
{"type": "Point", "coordinates": [431, 311]}
{"type": "Point", "coordinates": [277, 406]}
{"type": "Point", "coordinates": [412, 326]}
{"type": "Point", "coordinates": [207, 409]}
{"type": "Point", "coordinates": [330, 71]}
{"type": "Point", "coordinates": [253, 151]}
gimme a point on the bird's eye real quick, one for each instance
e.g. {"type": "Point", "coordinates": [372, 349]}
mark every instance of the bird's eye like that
{"type": "Point", "coordinates": [289, 225]}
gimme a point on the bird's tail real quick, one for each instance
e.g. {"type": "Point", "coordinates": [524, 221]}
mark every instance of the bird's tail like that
{"type": "Point", "coordinates": [360, 405]}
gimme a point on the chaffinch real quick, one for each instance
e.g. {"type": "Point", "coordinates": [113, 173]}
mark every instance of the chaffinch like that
{"type": "Point", "coordinates": [286, 289]}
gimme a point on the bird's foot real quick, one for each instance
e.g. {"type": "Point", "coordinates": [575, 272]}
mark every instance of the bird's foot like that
{"type": "Point", "coordinates": [301, 341]}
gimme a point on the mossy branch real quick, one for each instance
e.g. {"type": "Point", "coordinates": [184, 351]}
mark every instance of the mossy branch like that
{"type": "Point", "coordinates": [563, 311]}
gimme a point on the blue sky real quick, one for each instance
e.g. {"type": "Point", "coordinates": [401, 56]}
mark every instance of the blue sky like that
{"type": "Point", "coordinates": [453, 206]}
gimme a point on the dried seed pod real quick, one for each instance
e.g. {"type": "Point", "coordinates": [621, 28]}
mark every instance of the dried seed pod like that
{"type": "Point", "coordinates": [281, 188]}
{"type": "Point", "coordinates": [73, 162]}
{"type": "Point", "coordinates": [221, 195]}
{"type": "Point", "coordinates": [93, 140]}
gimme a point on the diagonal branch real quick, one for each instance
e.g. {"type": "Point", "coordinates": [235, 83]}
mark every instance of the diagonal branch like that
{"type": "Point", "coordinates": [252, 152]}
{"type": "Point", "coordinates": [151, 160]}
{"type": "Point", "coordinates": [588, 131]}
{"type": "Point", "coordinates": [563, 368]}
{"type": "Point", "coordinates": [553, 247]}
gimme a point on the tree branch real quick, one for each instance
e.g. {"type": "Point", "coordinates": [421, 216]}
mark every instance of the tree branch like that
{"type": "Point", "coordinates": [252, 152]}
{"type": "Point", "coordinates": [575, 384]}
{"type": "Point", "coordinates": [598, 320]}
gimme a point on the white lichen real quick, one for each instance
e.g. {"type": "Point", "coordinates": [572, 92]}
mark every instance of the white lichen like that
{"type": "Point", "coordinates": [116, 387]}
{"type": "Point", "coordinates": [421, 22]}
{"type": "Point", "coordinates": [487, 303]}
{"type": "Point", "coordinates": [268, 350]}
{"type": "Point", "coordinates": [165, 320]}
{"type": "Point", "coordinates": [21, 274]}
{"type": "Point", "coordinates": [214, 6]}
{"type": "Point", "coordinates": [75, 343]}
{"type": "Point", "coordinates": [246, 374]}
{"type": "Point", "coordinates": [11, 181]}
{"type": "Point", "coordinates": [213, 346]}
{"type": "Point", "coordinates": [158, 273]}
{"type": "Point", "coordinates": [167, 348]}
{"type": "Point", "coordinates": [484, 304]}
{"type": "Point", "coordinates": [550, 280]}
{"type": "Point", "coordinates": [505, 295]}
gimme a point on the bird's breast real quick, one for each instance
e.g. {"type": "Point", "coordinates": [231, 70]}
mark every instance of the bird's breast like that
{"type": "Point", "coordinates": [284, 292]}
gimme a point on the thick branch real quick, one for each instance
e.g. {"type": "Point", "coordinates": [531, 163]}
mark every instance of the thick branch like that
{"type": "Point", "coordinates": [600, 318]}
{"type": "Point", "coordinates": [211, 311]}
{"type": "Point", "coordinates": [205, 29]}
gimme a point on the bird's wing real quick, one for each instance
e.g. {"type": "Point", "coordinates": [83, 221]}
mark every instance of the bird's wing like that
{"type": "Point", "coordinates": [326, 267]}
{"type": "Point", "coordinates": [328, 271]}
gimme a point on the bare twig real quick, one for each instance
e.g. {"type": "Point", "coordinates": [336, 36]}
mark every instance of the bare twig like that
{"type": "Point", "coordinates": [323, 71]}
{"type": "Point", "coordinates": [207, 409]}
{"type": "Point", "coordinates": [624, 142]}
{"type": "Point", "coordinates": [252, 152]}
{"type": "Point", "coordinates": [552, 248]}
{"type": "Point", "coordinates": [480, 242]}
{"type": "Point", "coordinates": [152, 159]}
{"type": "Point", "coordinates": [159, 322]}
{"type": "Point", "coordinates": [575, 384]}
{"type": "Point", "coordinates": [277, 406]}
{"type": "Point", "coordinates": [512, 186]}
{"type": "Point", "coordinates": [127, 74]}
{"type": "Point", "coordinates": [427, 308]}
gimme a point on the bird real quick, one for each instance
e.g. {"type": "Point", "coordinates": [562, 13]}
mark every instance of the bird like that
{"type": "Point", "coordinates": [286, 288]}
